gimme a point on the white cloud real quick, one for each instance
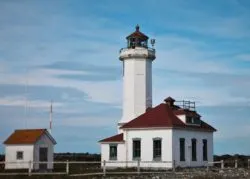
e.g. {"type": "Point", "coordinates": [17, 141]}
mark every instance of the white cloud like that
{"type": "Point", "coordinates": [90, 121]}
{"type": "Point", "coordinates": [244, 57]}
{"type": "Point", "coordinates": [15, 101]}
{"type": "Point", "coordinates": [183, 54]}
{"type": "Point", "coordinates": [2, 67]}
{"type": "Point", "coordinates": [226, 133]}
{"type": "Point", "coordinates": [105, 92]}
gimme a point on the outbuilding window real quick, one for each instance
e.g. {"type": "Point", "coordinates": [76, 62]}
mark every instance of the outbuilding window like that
{"type": "Point", "coordinates": [182, 149]}
{"type": "Point", "coordinates": [136, 149]}
{"type": "Point", "coordinates": [112, 152]}
{"type": "Point", "coordinates": [157, 148]}
{"type": "Point", "coordinates": [194, 158]}
{"type": "Point", "coordinates": [19, 155]}
{"type": "Point", "coordinates": [204, 149]}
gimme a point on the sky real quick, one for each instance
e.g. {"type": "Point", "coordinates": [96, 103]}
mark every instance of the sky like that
{"type": "Point", "coordinates": [68, 51]}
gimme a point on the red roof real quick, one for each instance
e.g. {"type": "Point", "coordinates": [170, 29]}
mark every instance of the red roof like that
{"type": "Point", "coordinates": [163, 116]}
{"type": "Point", "coordinates": [137, 33]}
{"type": "Point", "coordinates": [115, 138]}
{"type": "Point", "coordinates": [26, 136]}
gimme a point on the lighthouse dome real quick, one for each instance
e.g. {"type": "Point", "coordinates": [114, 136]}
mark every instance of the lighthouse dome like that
{"type": "Point", "coordinates": [137, 39]}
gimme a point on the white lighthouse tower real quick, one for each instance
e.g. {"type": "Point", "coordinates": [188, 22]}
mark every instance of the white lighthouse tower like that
{"type": "Point", "coordinates": [137, 76]}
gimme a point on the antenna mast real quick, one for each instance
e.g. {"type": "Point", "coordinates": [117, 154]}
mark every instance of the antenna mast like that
{"type": "Point", "coordinates": [50, 117]}
{"type": "Point", "coordinates": [26, 103]}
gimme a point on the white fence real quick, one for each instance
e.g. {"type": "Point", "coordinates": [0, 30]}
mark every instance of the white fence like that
{"type": "Point", "coordinates": [76, 168]}
{"type": "Point", "coordinates": [85, 167]}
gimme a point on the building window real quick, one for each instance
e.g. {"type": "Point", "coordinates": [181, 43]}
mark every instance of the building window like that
{"type": "Point", "coordinates": [194, 158]}
{"type": "Point", "coordinates": [193, 120]}
{"type": "Point", "coordinates": [19, 155]}
{"type": "Point", "coordinates": [204, 149]}
{"type": "Point", "coordinates": [182, 149]}
{"type": "Point", "coordinates": [157, 149]}
{"type": "Point", "coordinates": [136, 149]}
{"type": "Point", "coordinates": [189, 119]}
{"type": "Point", "coordinates": [113, 152]}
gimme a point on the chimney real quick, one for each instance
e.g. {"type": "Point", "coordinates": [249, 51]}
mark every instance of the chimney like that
{"type": "Point", "coordinates": [148, 109]}
{"type": "Point", "coordinates": [169, 101]}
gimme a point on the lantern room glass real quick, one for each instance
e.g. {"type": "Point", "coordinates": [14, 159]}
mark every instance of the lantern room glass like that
{"type": "Point", "coordinates": [137, 42]}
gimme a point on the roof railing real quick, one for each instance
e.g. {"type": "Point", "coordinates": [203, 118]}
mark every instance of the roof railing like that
{"type": "Point", "coordinates": [190, 105]}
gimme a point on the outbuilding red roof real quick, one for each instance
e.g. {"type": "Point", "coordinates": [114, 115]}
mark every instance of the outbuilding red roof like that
{"type": "Point", "coordinates": [164, 116]}
{"type": "Point", "coordinates": [115, 138]}
{"type": "Point", "coordinates": [26, 136]}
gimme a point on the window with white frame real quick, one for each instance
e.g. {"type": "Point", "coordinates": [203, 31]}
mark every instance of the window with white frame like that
{"type": "Point", "coordinates": [136, 149]}
{"type": "Point", "coordinates": [19, 155]}
{"type": "Point", "coordinates": [194, 150]}
{"type": "Point", "coordinates": [157, 149]}
{"type": "Point", "coordinates": [112, 152]}
{"type": "Point", "coordinates": [182, 149]}
{"type": "Point", "coordinates": [204, 149]}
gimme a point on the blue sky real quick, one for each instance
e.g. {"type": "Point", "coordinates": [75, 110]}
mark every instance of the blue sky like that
{"type": "Point", "coordinates": [68, 51]}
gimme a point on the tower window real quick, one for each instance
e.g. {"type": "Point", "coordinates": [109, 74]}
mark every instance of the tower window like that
{"type": "Point", "coordinates": [112, 152]}
{"type": "Point", "coordinates": [136, 149]}
{"type": "Point", "coordinates": [182, 149]}
{"type": "Point", "coordinates": [157, 149]}
{"type": "Point", "coordinates": [122, 68]}
{"type": "Point", "coordinates": [194, 158]}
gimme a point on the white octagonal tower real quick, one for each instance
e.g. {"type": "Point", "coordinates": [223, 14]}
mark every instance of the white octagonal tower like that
{"type": "Point", "coordinates": [137, 76]}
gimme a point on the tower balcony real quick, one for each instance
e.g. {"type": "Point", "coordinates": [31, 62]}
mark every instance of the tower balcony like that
{"type": "Point", "coordinates": [137, 52]}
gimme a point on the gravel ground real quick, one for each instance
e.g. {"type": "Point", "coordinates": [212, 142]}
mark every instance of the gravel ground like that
{"type": "Point", "coordinates": [198, 173]}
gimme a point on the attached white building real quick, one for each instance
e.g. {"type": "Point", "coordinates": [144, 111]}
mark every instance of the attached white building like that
{"type": "Point", "coordinates": [23, 146]}
{"type": "Point", "coordinates": [170, 132]}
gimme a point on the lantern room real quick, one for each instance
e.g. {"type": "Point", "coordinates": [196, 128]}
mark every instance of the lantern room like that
{"type": "Point", "coordinates": [137, 39]}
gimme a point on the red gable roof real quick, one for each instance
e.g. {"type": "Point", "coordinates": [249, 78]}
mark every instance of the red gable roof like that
{"type": "Point", "coordinates": [26, 136]}
{"type": "Point", "coordinates": [163, 116]}
{"type": "Point", "coordinates": [115, 138]}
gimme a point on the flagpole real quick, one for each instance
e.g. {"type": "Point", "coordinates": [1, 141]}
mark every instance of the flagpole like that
{"type": "Point", "coordinates": [50, 117]}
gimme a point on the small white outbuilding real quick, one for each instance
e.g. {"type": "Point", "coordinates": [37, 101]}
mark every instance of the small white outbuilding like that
{"type": "Point", "coordinates": [26, 145]}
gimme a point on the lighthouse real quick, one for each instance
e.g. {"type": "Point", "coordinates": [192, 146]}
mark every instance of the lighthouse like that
{"type": "Point", "coordinates": [149, 134]}
{"type": "Point", "coordinates": [136, 60]}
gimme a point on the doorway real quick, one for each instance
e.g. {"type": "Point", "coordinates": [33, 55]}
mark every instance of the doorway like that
{"type": "Point", "coordinates": [43, 157]}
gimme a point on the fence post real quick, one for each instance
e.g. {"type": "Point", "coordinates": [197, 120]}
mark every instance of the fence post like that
{"type": "Point", "coordinates": [67, 167]}
{"type": "Point", "coordinates": [207, 167]}
{"type": "Point", "coordinates": [104, 168]}
{"type": "Point", "coordinates": [30, 168]}
{"type": "Point", "coordinates": [222, 164]}
{"type": "Point", "coordinates": [248, 161]}
{"type": "Point", "coordinates": [138, 166]}
{"type": "Point", "coordinates": [173, 165]}
{"type": "Point", "coordinates": [236, 164]}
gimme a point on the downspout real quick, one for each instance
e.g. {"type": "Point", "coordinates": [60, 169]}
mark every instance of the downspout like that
{"type": "Point", "coordinates": [173, 148]}
{"type": "Point", "coordinates": [126, 147]}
